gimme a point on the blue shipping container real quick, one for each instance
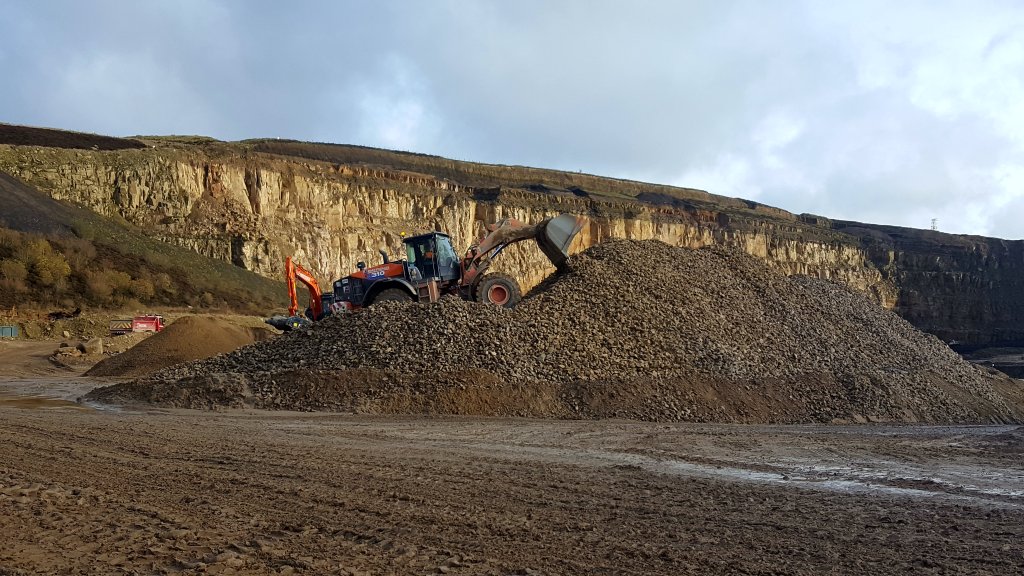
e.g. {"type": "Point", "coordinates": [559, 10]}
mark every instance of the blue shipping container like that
{"type": "Point", "coordinates": [8, 331]}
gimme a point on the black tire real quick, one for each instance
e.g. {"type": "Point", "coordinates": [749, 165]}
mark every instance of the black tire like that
{"type": "Point", "coordinates": [392, 295]}
{"type": "Point", "coordinates": [499, 290]}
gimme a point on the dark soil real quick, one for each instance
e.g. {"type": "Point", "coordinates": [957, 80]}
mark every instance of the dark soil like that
{"type": "Point", "coordinates": [27, 210]}
{"type": "Point", "coordinates": [50, 138]}
{"type": "Point", "coordinates": [100, 492]}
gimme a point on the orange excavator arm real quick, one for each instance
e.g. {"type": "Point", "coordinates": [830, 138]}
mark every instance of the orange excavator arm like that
{"type": "Point", "coordinates": [295, 273]}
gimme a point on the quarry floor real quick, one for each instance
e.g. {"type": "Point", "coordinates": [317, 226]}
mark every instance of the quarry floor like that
{"type": "Point", "coordinates": [96, 490]}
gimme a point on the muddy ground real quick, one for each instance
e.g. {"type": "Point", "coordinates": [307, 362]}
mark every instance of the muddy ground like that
{"type": "Point", "coordinates": [88, 490]}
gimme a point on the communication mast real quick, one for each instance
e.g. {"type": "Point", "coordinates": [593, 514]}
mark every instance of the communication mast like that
{"type": "Point", "coordinates": [935, 223]}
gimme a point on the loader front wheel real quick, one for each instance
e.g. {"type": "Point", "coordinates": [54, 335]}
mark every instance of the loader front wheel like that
{"type": "Point", "coordinates": [392, 295]}
{"type": "Point", "coordinates": [498, 289]}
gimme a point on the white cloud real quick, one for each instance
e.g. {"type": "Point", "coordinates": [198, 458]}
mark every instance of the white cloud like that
{"type": "Point", "coordinates": [1006, 222]}
{"type": "Point", "coordinates": [119, 93]}
{"type": "Point", "coordinates": [393, 109]}
{"type": "Point", "coordinates": [869, 110]}
{"type": "Point", "coordinates": [729, 175]}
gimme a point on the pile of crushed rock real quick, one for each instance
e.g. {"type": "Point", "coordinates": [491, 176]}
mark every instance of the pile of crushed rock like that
{"type": "Point", "coordinates": [187, 338]}
{"type": "Point", "coordinates": [634, 329]}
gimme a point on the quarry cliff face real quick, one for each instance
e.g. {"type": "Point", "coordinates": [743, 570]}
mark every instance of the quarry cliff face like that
{"type": "Point", "coordinates": [967, 290]}
{"type": "Point", "coordinates": [254, 209]}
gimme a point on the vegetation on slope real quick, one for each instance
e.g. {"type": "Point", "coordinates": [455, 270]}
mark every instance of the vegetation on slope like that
{"type": "Point", "coordinates": [57, 254]}
{"type": "Point", "coordinates": [474, 173]}
{"type": "Point", "coordinates": [69, 271]}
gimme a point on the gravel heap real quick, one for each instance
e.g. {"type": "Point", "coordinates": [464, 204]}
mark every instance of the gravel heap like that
{"type": "Point", "coordinates": [187, 338]}
{"type": "Point", "coordinates": [634, 329]}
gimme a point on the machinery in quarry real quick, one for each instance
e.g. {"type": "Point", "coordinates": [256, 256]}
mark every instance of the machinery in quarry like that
{"type": "Point", "coordinates": [431, 269]}
{"type": "Point", "coordinates": [144, 323]}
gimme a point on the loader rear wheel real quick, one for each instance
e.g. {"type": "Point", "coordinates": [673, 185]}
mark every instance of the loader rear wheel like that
{"type": "Point", "coordinates": [392, 295]}
{"type": "Point", "coordinates": [498, 289]}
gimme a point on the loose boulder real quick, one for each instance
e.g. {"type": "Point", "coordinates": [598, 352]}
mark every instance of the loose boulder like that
{"type": "Point", "coordinates": [92, 346]}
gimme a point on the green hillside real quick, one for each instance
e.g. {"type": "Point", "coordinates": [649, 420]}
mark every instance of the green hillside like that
{"type": "Point", "coordinates": [57, 254]}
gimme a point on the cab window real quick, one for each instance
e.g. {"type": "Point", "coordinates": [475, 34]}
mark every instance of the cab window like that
{"type": "Point", "coordinates": [445, 253]}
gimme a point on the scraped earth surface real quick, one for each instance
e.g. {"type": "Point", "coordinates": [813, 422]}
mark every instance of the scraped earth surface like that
{"type": "Point", "coordinates": [85, 489]}
{"type": "Point", "coordinates": [158, 492]}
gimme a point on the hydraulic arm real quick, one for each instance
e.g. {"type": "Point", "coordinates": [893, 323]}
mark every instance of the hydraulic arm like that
{"type": "Point", "coordinates": [553, 235]}
{"type": "Point", "coordinates": [294, 272]}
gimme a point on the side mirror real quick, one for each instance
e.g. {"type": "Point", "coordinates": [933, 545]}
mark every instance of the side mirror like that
{"type": "Point", "coordinates": [361, 265]}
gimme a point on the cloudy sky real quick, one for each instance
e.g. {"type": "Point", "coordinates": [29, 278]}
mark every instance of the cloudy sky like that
{"type": "Point", "coordinates": [889, 112]}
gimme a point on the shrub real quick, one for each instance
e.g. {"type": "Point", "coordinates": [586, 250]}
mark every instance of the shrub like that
{"type": "Point", "coordinates": [9, 289]}
{"type": "Point", "coordinates": [70, 271]}
{"type": "Point", "coordinates": [141, 288]}
{"type": "Point", "coordinates": [78, 251]}
{"type": "Point", "coordinates": [102, 285]}
{"type": "Point", "coordinates": [10, 241]}
{"type": "Point", "coordinates": [206, 300]}
{"type": "Point", "coordinates": [51, 270]}
{"type": "Point", "coordinates": [32, 249]}
{"type": "Point", "coordinates": [163, 283]}
{"type": "Point", "coordinates": [13, 270]}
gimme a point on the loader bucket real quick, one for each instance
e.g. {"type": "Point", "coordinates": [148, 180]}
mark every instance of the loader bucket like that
{"type": "Point", "coordinates": [555, 238]}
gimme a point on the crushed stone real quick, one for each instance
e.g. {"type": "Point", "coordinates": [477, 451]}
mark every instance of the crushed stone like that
{"type": "Point", "coordinates": [186, 339]}
{"type": "Point", "coordinates": [633, 329]}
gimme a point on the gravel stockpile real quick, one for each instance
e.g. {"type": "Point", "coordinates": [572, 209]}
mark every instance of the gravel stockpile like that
{"type": "Point", "coordinates": [633, 329]}
{"type": "Point", "coordinates": [186, 339]}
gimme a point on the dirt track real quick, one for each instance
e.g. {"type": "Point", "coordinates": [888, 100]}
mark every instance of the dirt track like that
{"type": "Point", "coordinates": [87, 491]}
{"type": "Point", "coordinates": [265, 493]}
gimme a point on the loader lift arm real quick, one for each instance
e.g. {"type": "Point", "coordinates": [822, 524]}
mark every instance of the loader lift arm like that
{"type": "Point", "coordinates": [295, 273]}
{"type": "Point", "coordinates": [553, 235]}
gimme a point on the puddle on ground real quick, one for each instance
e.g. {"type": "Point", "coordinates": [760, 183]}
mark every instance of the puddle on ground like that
{"type": "Point", "coordinates": [843, 479]}
{"type": "Point", "coordinates": [46, 393]}
{"type": "Point", "coordinates": [41, 403]}
{"type": "Point", "coordinates": [849, 480]}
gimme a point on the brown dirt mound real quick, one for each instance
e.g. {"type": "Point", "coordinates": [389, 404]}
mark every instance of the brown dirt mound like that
{"type": "Point", "coordinates": [188, 338]}
{"type": "Point", "coordinates": [635, 330]}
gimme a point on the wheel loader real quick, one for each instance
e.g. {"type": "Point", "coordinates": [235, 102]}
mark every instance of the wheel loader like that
{"type": "Point", "coordinates": [431, 269]}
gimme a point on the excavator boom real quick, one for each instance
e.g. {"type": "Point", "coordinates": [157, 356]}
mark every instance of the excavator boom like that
{"type": "Point", "coordinates": [294, 272]}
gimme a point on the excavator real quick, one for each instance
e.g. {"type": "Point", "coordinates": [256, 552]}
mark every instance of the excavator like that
{"type": "Point", "coordinates": [294, 273]}
{"type": "Point", "coordinates": [431, 269]}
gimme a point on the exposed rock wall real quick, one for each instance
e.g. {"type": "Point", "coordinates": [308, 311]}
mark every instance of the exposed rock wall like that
{"type": "Point", "coordinates": [255, 209]}
{"type": "Point", "coordinates": [964, 289]}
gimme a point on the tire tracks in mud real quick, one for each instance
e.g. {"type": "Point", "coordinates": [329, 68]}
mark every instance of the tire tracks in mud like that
{"type": "Point", "coordinates": [182, 492]}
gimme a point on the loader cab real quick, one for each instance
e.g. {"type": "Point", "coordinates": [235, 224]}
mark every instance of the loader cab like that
{"type": "Point", "coordinates": [432, 256]}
